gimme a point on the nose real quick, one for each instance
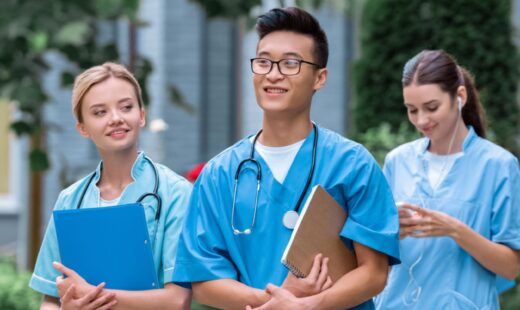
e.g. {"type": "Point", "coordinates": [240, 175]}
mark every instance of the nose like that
{"type": "Point", "coordinates": [275, 73]}
{"type": "Point", "coordinates": [422, 119]}
{"type": "Point", "coordinates": [115, 117]}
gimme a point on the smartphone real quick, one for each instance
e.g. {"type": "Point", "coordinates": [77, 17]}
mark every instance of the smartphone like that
{"type": "Point", "coordinates": [400, 205]}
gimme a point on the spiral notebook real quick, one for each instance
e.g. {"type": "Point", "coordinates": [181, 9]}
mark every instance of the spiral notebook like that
{"type": "Point", "coordinates": [317, 231]}
{"type": "Point", "coordinates": [107, 244]}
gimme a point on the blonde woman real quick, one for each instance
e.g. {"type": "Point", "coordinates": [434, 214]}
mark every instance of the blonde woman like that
{"type": "Point", "coordinates": [109, 110]}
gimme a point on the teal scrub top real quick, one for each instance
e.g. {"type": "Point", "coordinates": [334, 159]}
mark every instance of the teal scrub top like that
{"type": "Point", "coordinates": [209, 250]}
{"type": "Point", "coordinates": [174, 191]}
{"type": "Point", "coordinates": [481, 190]}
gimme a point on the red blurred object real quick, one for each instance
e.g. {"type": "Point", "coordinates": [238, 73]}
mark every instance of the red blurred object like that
{"type": "Point", "coordinates": [193, 174]}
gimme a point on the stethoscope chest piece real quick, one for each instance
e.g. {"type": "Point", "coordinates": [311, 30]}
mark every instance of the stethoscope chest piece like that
{"type": "Point", "coordinates": [290, 218]}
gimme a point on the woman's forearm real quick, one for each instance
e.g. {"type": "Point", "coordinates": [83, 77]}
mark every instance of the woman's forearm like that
{"type": "Point", "coordinates": [170, 297]}
{"type": "Point", "coordinates": [497, 258]}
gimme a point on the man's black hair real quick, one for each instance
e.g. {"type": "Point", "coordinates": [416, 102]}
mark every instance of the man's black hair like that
{"type": "Point", "coordinates": [298, 21]}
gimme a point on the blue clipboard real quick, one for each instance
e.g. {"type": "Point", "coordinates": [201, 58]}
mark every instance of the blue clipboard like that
{"type": "Point", "coordinates": [107, 244]}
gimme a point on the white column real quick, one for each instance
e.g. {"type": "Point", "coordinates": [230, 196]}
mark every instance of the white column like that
{"type": "Point", "coordinates": [150, 44]}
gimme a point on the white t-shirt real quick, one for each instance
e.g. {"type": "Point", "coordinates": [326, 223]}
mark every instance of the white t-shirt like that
{"type": "Point", "coordinates": [108, 203]}
{"type": "Point", "coordinates": [439, 167]}
{"type": "Point", "coordinates": [278, 158]}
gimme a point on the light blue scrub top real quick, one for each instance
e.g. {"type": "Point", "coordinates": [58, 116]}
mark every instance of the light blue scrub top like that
{"type": "Point", "coordinates": [174, 191]}
{"type": "Point", "coordinates": [208, 249]}
{"type": "Point", "coordinates": [481, 190]}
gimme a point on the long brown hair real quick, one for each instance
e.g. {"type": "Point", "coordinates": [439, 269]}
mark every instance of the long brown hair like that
{"type": "Point", "coordinates": [439, 67]}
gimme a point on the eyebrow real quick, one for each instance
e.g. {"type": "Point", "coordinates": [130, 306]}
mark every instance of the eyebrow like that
{"type": "Point", "coordinates": [424, 103]}
{"type": "Point", "coordinates": [97, 105]}
{"type": "Point", "coordinates": [124, 100]}
{"type": "Point", "coordinates": [289, 54]}
{"type": "Point", "coordinates": [101, 104]}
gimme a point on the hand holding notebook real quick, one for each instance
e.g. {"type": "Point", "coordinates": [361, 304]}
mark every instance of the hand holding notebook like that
{"type": "Point", "coordinates": [317, 231]}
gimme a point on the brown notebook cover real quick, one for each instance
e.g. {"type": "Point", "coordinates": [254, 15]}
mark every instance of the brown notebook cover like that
{"type": "Point", "coordinates": [317, 231]}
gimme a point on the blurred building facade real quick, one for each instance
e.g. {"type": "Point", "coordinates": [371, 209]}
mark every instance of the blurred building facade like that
{"type": "Point", "coordinates": [204, 60]}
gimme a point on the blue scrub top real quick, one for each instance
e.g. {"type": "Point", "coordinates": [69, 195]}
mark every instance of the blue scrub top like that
{"type": "Point", "coordinates": [209, 250]}
{"type": "Point", "coordinates": [481, 190]}
{"type": "Point", "coordinates": [174, 191]}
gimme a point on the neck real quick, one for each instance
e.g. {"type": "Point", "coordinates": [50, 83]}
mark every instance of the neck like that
{"type": "Point", "coordinates": [450, 144]}
{"type": "Point", "coordinates": [282, 132]}
{"type": "Point", "coordinates": [116, 173]}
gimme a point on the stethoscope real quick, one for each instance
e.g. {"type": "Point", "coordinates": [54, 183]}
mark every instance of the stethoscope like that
{"type": "Point", "coordinates": [290, 217]}
{"type": "Point", "coordinates": [140, 199]}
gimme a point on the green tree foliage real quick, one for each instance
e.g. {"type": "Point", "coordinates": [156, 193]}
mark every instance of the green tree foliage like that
{"type": "Point", "coordinates": [30, 29]}
{"type": "Point", "coordinates": [242, 8]}
{"type": "Point", "coordinates": [477, 32]}
{"type": "Point", "coordinates": [228, 8]}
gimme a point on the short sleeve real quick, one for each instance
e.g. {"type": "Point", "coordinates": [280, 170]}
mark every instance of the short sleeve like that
{"type": "Point", "coordinates": [504, 284]}
{"type": "Point", "coordinates": [372, 219]}
{"type": "Point", "coordinates": [44, 276]}
{"type": "Point", "coordinates": [202, 254]}
{"type": "Point", "coordinates": [178, 197]}
{"type": "Point", "coordinates": [505, 219]}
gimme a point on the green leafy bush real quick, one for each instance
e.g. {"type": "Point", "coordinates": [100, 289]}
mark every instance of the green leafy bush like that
{"type": "Point", "coordinates": [15, 293]}
{"type": "Point", "coordinates": [478, 33]}
{"type": "Point", "coordinates": [511, 299]}
{"type": "Point", "coordinates": [382, 139]}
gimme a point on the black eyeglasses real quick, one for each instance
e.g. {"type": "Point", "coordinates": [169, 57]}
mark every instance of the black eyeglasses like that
{"type": "Point", "coordinates": [285, 66]}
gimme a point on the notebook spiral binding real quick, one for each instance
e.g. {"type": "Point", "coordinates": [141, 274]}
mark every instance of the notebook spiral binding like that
{"type": "Point", "coordinates": [295, 270]}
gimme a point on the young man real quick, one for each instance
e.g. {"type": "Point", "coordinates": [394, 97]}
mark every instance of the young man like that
{"type": "Point", "coordinates": [239, 222]}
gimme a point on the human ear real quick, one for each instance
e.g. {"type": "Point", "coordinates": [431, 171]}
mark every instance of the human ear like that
{"type": "Point", "coordinates": [81, 129]}
{"type": "Point", "coordinates": [142, 122]}
{"type": "Point", "coordinates": [462, 93]}
{"type": "Point", "coordinates": [321, 78]}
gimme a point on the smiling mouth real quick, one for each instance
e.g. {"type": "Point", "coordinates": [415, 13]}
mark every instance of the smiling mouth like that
{"type": "Point", "coordinates": [118, 132]}
{"type": "Point", "coordinates": [272, 90]}
{"type": "Point", "coordinates": [427, 130]}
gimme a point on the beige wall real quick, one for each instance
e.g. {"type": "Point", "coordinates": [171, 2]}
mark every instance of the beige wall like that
{"type": "Point", "coordinates": [4, 147]}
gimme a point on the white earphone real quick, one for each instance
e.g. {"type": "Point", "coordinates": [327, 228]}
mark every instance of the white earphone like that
{"type": "Point", "coordinates": [459, 103]}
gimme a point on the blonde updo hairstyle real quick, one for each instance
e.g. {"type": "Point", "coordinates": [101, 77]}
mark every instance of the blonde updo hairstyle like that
{"type": "Point", "coordinates": [96, 75]}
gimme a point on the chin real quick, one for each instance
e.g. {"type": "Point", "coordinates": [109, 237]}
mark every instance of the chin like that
{"type": "Point", "coordinates": [272, 107]}
{"type": "Point", "coordinates": [427, 135]}
{"type": "Point", "coordinates": [121, 147]}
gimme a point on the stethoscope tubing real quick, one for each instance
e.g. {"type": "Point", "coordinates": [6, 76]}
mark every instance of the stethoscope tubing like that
{"type": "Point", "coordinates": [251, 159]}
{"type": "Point", "coordinates": [153, 194]}
{"type": "Point", "coordinates": [311, 172]}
